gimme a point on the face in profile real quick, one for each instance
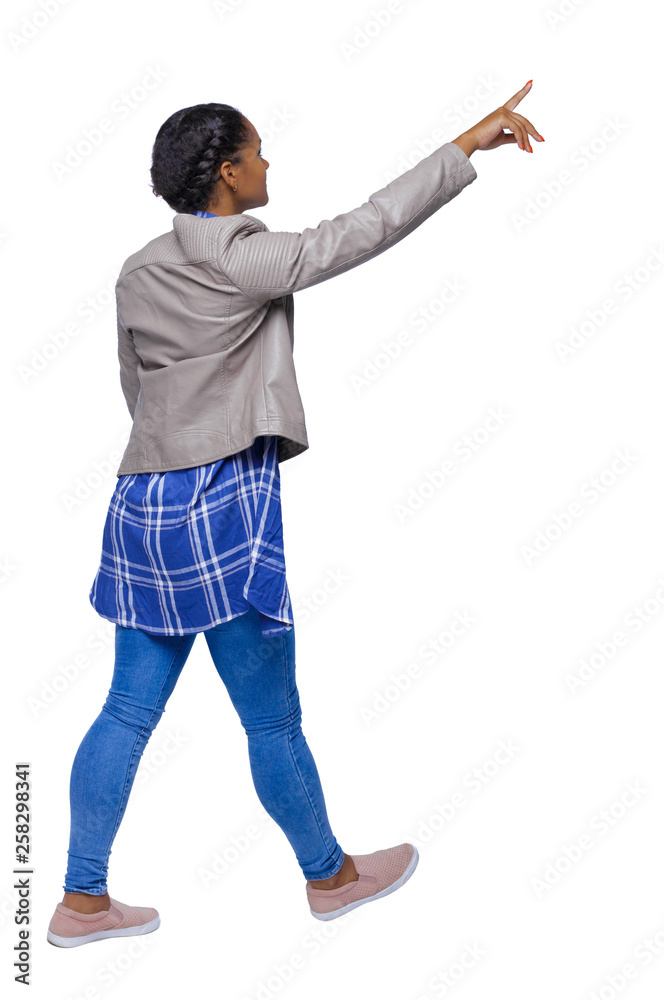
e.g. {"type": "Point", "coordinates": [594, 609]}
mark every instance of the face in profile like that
{"type": "Point", "coordinates": [254, 166]}
{"type": "Point", "coordinates": [251, 177]}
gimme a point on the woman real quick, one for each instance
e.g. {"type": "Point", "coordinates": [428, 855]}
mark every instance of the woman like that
{"type": "Point", "coordinates": [193, 538]}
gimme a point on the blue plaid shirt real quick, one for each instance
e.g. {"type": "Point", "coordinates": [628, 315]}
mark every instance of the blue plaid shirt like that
{"type": "Point", "coordinates": [190, 548]}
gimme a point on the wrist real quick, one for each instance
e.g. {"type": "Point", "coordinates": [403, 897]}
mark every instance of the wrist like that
{"type": "Point", "coordinates": [466, 142]}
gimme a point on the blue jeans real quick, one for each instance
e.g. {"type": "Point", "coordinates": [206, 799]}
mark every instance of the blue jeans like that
{"type": "Point", "coordinates": [259, 675]}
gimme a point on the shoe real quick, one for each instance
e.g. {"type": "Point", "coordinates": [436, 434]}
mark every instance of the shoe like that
{"type": "Point", "coordinates": [69, 928]}
{"type": "Point", "coordinates": [379, 874]}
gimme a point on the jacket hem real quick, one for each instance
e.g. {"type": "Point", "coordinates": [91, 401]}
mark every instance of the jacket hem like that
{"type": "Point", "coordinates": [292, 442]}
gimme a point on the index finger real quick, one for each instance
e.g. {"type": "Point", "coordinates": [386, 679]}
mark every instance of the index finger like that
{"type": "Point", "coordinates": [520, 94]}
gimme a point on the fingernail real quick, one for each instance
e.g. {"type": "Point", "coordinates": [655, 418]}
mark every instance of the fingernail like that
{"type": "Point", "coordinates": [528, 81]}
{"type": "Point", "coordinates": [542, 138]}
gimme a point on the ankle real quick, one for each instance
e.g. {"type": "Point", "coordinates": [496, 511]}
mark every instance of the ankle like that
{"type": "Point", "coordinates": [85, 902]}
{"type": "Point", "coordinates": [347, 873]}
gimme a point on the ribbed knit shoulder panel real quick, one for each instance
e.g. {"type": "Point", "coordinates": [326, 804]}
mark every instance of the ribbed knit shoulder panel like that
{"type": "Point", "coordinates": [192, 239]}
{"type": "Point", "coordinates": [206, 239]}
{"type": "Point", "coordinates": [161, 249]}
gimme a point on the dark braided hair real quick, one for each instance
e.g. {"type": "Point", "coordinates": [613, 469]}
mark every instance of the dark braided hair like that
{"type": "Point", "coordinates": [190, 147]}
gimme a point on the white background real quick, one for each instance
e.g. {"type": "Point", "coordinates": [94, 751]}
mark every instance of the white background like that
{"type": "Point", "coordinates": [341, 113]}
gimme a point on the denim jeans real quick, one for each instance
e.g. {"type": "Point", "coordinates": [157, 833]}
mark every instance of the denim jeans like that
{"type": "Point", "coordinates": [259, 675]}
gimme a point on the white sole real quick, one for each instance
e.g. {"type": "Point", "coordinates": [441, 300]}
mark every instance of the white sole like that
{"type": "Point", "coordinates": [412, 865]}
{"type": "Point", "coordinates": [73, 942]}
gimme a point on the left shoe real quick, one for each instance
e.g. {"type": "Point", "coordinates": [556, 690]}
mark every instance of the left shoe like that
{"type": "Point", "coordinates": [69, 928]}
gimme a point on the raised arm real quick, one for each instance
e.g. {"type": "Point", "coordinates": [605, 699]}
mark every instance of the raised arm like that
{"type": "Point", "coordinates": [266, 265]}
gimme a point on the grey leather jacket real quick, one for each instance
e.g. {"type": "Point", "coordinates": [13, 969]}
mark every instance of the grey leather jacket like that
{"type": "Point", "coordinates": [205, 318]}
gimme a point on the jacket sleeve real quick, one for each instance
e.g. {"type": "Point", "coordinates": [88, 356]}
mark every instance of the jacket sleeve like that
{"type": "Point", "coordinates": [129, 360]}
{"type": "Point", "coordinates": [266, 265]}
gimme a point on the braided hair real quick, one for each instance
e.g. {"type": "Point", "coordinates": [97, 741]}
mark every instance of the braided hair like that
{"type": "Point", "coordinates": [190, 147]}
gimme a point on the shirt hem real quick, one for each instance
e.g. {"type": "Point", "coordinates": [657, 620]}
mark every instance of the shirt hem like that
{"type": "Point", "coordinates": [153, 630]}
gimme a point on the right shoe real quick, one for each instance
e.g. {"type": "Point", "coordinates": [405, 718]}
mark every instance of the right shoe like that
{"type": "Point", "coordinates": [379, 874]}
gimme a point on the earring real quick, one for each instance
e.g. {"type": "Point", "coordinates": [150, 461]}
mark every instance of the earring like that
{"type": "Point", "coordinates": [235, 188]}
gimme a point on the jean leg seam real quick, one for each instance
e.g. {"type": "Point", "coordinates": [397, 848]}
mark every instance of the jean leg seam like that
{"type": "Point", "coordinates": [125, 794]}
{"type": "Point", "coordinates": [290, 748]}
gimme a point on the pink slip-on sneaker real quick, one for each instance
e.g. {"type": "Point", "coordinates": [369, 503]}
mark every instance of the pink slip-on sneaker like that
{"type": "Point", "coordinates": [69, 928]}
{"type": "Point", "coordinates": [379, 874]}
